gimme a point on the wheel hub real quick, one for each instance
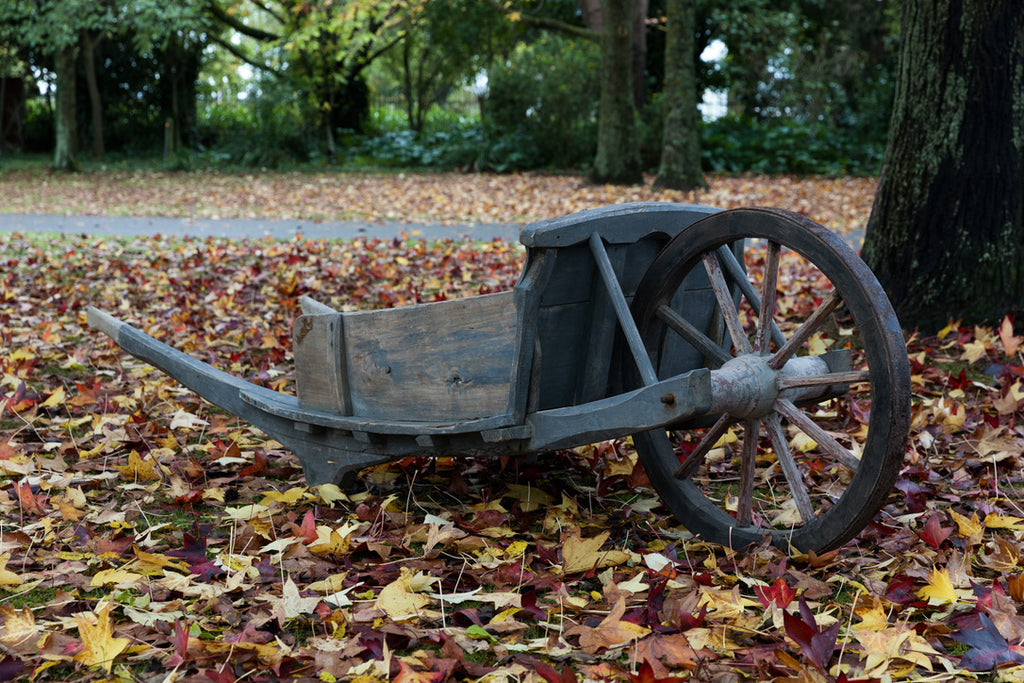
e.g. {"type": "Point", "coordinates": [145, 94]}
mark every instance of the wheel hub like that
{"type": "Point", "coordinates": [747, 388]}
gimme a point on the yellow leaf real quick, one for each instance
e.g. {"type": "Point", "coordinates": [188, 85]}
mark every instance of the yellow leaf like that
{"type": "Point", "coordinates": [7, 577]}
{"type": "Point", "coordinates": [948, 328]}
{"type": "Point", "coordinates": [113, 577]}
{"type": "Point", "coordinates": [55, 400]}
{"type": "Point", "coordinates": [138, 469]}
{"type": "Point", "coordinates": [330, 493]}
{"type": "Point", "coordinates": [940, 589]}
{"type": "Point", "coordinates": [99, 646]}
{"type": "Point", "coordinates": [398, 600]}
{"type": "Point", "coordinates": [18, 630]}
{"type": "Point", "coordinates": [968, 528]}
{"type": "Point", "coordinates": [584, 554]}
{"type": "Point", "coordinates": [332, 541]}
{"type": "Point", "coordinates": [973, 351]}
{"type": "Point", "coordinates": [290, 496]}
{"type": "Point", "coordinates": [611, 632]}
{"type": "Point", "coordinates": [1010, 343]}
{"type": "Point", "coordinates": [817, 346]}
{"type": "Point", "coordinates": [150, 563]}
{"type": "Point", "coordinates": [994, 521]}
{"type": "Point", "coordinates": [872, 618]}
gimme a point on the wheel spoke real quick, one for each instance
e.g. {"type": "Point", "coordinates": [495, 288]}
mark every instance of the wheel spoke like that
{"type": "Point", "coordinates": [748, 467]}
{"type": "Point", "coordinates": [805, 331]}
{"type": "Point", "coordinates": [726, 304]}
{"type": "Point", "coordinates": [735, 272]}
{"type": "Point", "coordinates": [794, 382]}
{"type": "Point", "coordinates": [694, 337]}
{"type": "Point", "coordinates": [789, 468]}
{"type": "Point", "coordinates": [696, 457]}
{"type": "Point", "coordinates": [811, 428]}
{"type": "Point", "coordinates": [765, 318]}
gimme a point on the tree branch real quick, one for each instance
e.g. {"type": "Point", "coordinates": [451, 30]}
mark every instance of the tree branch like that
{"type": "Point", "coordinates": [545, 23]}
{"type": "Point", "coordinates": [248, 59]}
{"type": "Point", "coordinates": [236, 24]}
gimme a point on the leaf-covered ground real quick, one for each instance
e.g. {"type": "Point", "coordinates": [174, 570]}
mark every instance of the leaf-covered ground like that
{"type": "Point", "coordinates": [147, 536]}
{"type": "Point", "coordinates": [445, 198]}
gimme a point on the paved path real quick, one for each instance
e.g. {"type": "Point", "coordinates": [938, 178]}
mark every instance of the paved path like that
{"type": "Point", "coordinates": [277, 229]}
{"type": "Point", "coordinates": [246, 229]}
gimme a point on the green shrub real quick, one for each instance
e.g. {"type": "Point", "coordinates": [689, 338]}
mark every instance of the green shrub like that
{"type": "Point", "coordinates": [541, 106]}
{"type": "Point", "coordinates": [734, 145]}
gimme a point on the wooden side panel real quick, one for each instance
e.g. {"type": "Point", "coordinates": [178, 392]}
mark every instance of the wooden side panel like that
{"type": "Point", "coordinates": [320, 372]}
{"type": "Point", "coordinates": [452, 360]}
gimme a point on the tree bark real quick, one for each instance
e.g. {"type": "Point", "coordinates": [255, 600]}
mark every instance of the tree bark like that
{"type": "Point", "coordinates": [946, 234]}
{"type": "Point", "coordinates": [66, 142]}
{"type": "Point", "coordinates": [618, 157]}
{"type": "Point", "coordinates": [95, 101]}
{"type": "Point", "coordinates": [680, 152]}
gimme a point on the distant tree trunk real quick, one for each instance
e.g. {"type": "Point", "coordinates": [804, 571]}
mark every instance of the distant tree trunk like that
{"type": "Point", "coordinates": [680, 152]}
{"type": "Point", "coordinates": [946, 234]}
{"type": "Point", "coordinates": [95, 102]}
{"type": "Point", "coordinates": [618, 157]}
{"type": "Point", "coordinates": [639, 52]}
{"type": "Point", "coordinates": [65, 148]}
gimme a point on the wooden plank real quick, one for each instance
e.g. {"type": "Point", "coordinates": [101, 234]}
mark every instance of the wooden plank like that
{"type": "Point", "coordinates": [311, 306]}
{"type": "Point", "coordinates": [452, 360]}
{"type": "Point", "coordinates": [320, 364]}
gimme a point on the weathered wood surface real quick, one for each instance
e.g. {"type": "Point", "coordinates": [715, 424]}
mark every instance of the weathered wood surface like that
{"type": "Point", "coordinates": [451, 360]}
{"type": "Point", "coordinates": [321, 372]}
{"type": "Point", "coordinates": [620, 224]}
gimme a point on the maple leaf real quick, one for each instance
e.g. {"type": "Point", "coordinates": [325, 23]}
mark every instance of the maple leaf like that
{"type": "Point", "coordinates": [612, 632]}
{"type": "Point", "coordinates": [548, 673]}
{"type": "Point", "coordinates": [940, 590]}
{"type": "Point", "coordinates": [988, 648]}
{"type": "Point", "coordinates": [779, 593]}
{"type": "Point", "coordinates": [585, 554]}
{"type": "Point", "coordinates": [1011, 344]}
{"type": "Point", "coordinates": [291, 604]}
{"type": "Point", "coordinates": [402, 598]}
{"type": "Point", "coordinates": [7, 577]}
{"type": "Point", "coordinates": [99, 646]}
{"type": "Point", "coordinates": [406, 674]}
{"type": "Point", "coordinates": [18, 630]}
{"type": "Point", "coordinates": [817, 644]}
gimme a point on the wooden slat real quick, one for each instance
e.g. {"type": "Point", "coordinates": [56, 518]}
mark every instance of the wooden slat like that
{"type": "Point", "coordinates": [453, 360]}
{"type": "Point", "coordinates": [320, 365]}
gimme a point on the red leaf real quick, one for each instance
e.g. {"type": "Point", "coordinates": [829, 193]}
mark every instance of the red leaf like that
{"type": "Point", "coordinates": [817, 645]}
{"type": "Point", "coordinates": [646, 675]}
{"type": "Point", "coordinates": [779, 592]}
{"type": "Point", "coordinates": [933, 532]}
{"type": "Point", "coordinates": [549, 674]}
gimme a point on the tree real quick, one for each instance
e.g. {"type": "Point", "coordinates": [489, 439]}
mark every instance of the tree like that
{"type": "Point", "coordinates": [53, 29]}
{"type": "Point", "coordinates": [324, 45]}
{"type": "Point", "coordinates": [680, 167]}
{"type": "Point", "coordinates": [946, 233]}
{"type": "Point", "coordinates": [618, 153]}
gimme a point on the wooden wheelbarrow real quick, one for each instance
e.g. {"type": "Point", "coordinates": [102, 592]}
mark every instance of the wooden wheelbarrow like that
{"type": "Point", "coordinates": [665, 322]}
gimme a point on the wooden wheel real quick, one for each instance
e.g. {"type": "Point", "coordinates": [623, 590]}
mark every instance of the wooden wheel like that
{"type": "Point", "coordinates": [810, 391]}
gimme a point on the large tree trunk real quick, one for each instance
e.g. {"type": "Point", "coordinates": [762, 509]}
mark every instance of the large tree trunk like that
{"type": "Point", "coordinates": [680, 151]}
{"type": "Point", "coordinates": [66, 142]}
{"type": "Point", "coordinates": [946, 234]}
{"type": "Point", "coordinates": [618, 155]}
{"type": "Point", "coordinates": [95, 102]}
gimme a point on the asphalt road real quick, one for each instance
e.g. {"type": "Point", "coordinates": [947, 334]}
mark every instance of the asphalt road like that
{"type": "Point", "coordinates": [247, 229]}
{"type": "Point", "coordinates": [276, 229]}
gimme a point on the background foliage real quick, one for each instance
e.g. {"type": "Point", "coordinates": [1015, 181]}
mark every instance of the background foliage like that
{"type": "Point", "coordinates": [278, 84]}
